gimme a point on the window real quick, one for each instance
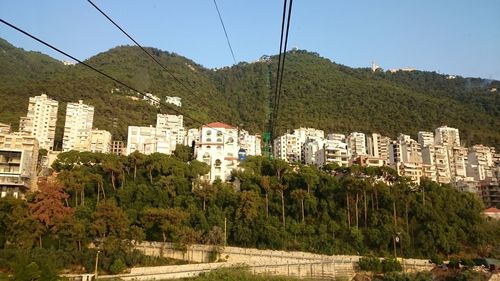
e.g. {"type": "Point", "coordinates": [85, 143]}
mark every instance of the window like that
{"type": "Point", "coordinates": [230, 140]}
{"type": "Point", "coordinates": [209, 139]}
{"type": "Point", "coordinates": [209, 132]}
{"type": "Point", "coordinates": [219, 147]}
{"type": "Point", "coordinates": [218, 163]}
{"type": "Point", "coordinates": [219, 133]}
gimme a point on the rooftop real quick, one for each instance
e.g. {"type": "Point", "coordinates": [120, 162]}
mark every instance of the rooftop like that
{"type": "Point", "coordinates": [219, 125]}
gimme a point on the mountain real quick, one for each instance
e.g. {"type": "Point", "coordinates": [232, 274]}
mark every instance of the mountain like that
{"type": "Point", "coordinates": [316, 93]}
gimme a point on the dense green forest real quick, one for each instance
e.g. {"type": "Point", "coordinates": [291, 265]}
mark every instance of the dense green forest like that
{"type": "Point", "coordinates": [316, 93]}
{"type": "Point", "coordinates": [110, 202]}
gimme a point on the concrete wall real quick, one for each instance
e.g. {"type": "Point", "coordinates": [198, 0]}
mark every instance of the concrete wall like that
{"type": "Point", "coordinates": [299, 264]}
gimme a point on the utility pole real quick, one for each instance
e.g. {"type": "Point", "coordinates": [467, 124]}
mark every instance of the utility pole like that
{"type": "Point", "coordinates": [96, 263]}
{"type": "Point", "coordinates": [225, 231]}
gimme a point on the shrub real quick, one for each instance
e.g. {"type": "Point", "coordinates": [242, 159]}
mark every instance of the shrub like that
{"type": "Point", "coordinates": [370, 264]}
{"type": "Point", "coordinates": [391, 265]}
{"type": "Point", "coordinates": [117, 266]}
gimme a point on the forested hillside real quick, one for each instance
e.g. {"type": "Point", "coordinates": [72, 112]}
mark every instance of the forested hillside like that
{"type": "Point", "coordinates": [317, 93]}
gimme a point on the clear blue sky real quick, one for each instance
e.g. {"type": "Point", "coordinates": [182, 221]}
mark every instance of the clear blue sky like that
{"type": "Point", "coordinates": [451, 36]}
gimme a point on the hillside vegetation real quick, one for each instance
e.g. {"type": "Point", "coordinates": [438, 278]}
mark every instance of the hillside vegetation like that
{"type": "Point", "coordinates": [317, 93]}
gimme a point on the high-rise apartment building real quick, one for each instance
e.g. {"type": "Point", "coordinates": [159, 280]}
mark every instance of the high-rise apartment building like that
{"type": "Point", "coordinates": [40, 121]}
{"type": "Point", "coordinates": [437, 156]}
{"type": "Point", "coordinates": [425, 138]}
{"type": "Point", "coordinates": [447, 136]}
{"type": "Point", "coordinates": [174, 124]}
{"type": "Point", "coordinates": [480, 162]}
{"type": "Point", "coordinates": [356, 143]}
{"type": "Point", "coordinates": [378, 146]}
{"type": "Point", "coordinates": [78, 126]}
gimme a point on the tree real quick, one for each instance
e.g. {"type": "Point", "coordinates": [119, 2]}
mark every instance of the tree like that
{"type": "Point", "coordinates": [109, 220]}
{"type": "Point", "coordinates": [300, 195]}
{"type": "Point", "coordinates": [249, 206]}
{"type": "Point", "coordinates": [113, 166]}
{"type": "Point", "coordinates": [310, 177]}
{"type": "Point", "coordinates": [266, 185]}
{"type": "Point", "coordinates": [205, 191]}
{"type": "Point", "coordinates": [48, 206]}
{"type": "Point", "coordinates": [136, 159]}
{"type": "Point", "coordinates": [280, 188]}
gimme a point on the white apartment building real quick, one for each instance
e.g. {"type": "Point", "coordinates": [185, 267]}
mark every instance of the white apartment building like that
{"type": "Point", "coordinates": [312, 149]}
{"type": "Point", "coordinates": [192, 135]}
{"type": "Point", "coordinates": [18, 161]}
{"type": "Point", "coordinates": [357, 144]}
{"type": "Point", "coordinates": [447, 136]}
{"type": "Point", "coordinates": [152, 99]}
{"type": "Point", "coordinates": [251, 144]}
{"type": "Point", "coordinates": [288, 148]}
{"type": "Point", "coordinates": [480, 162]}
{"type": "Point", "coordinates": [100, 141]}
{"type": "Point", "coordinates": [378, 146]}
{"type": "Point", "coordinates": [142, 139]}
{"type": "Point", "coordinates": [458, 162]}
{"type": "Point", "coordinates": [425, 138]}
{"type": "Point", "coordinates": [411, 170]}
{"type": "Point", "coordinates": [40, 121]}
{"type": "Point", "coordinates": [437, 156]}
{"type": "Point", "coordinates": [172, 123]}
{"type": "Point", "coordinates": [218, 147]}
{"type": "Point", "coordinates": [333, 152]}
{"type": "Point", "coordinates": [174, 100]}
{"type": "Point", "coordinates": [78, 126]}
{"type": "Point", "coordinates": [337, 137]}
{"type": "Point", "coordinates": [4, 128]}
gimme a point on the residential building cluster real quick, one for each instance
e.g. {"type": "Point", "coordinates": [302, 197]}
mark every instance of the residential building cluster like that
{"type": "Point", "coordinates": [220, 145]}
{"type": "Point", "coordinates": [438, 156]}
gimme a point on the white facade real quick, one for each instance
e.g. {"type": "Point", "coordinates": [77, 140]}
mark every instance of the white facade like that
{"type": "Point", "coordinates": [333, 152]}
{"type": "Point", "coordinates": [218, 147]}
{"type": "Point", "coordinates": [437, 156]}
{"type": "Point", "coordinates": [152, 99]}
{"type": "Point", "coordinates": [78, 126]}
{"type": "Point", "coordinates": [378, 146]}
{"type": "Point", "coordinates": [142, 139]}
{"type": "Point", "coordinates": [172, 123]}
{"type": "Point", "coordinates": [425, 138]}
{"type": "Point", "coordinates": [480, 162]}
{"type": "Point", "coordinates": [100, 141]}
{"type": "Point", "coordinates": [250, 143]}
{"type": "Point", "coordinates": [357, 144]}
{"type": "Point", "coordinates": [4, 128]}
{"type": "Point", "coordinates": [192, 135]}
{"type": "Point", "coordinates": [312, 149]}
{"type": "Point", "coordinates": [288, 148]}
{"type": "Point", "coordinates": [173, 100]}
{"type": "Point", "coordinates": [458, 162]}
{"type": "Point", "coordinates": [40, 120]}
{"type": "Point", "coordinates": [337, 137]}
{"type": "Point", "coordinates": [447, 136]}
